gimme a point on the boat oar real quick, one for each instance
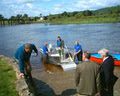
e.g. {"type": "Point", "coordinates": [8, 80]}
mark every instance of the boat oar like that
{"type": "Point", "coordinates": [69, 53]}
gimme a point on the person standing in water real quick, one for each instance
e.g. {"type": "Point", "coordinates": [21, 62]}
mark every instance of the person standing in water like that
{"type": "Point", "coordinates": [60, 46]}
{"type": "Point", "coordinates": [78, 51]}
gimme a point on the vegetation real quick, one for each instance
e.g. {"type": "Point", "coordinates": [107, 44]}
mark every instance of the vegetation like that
{"type": "Point", "coordinates": [105, 15]}
{"type": "Point", "coordinates": [7, 80]}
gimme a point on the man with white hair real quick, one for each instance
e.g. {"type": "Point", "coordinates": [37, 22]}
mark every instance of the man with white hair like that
{"type": "Point", "coordinates": [106, 73]}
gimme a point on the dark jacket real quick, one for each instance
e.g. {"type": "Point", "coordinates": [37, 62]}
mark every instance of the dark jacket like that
{"type": "Point", "coordinates": [87, 78]}
{"type": "Point", "coordinates": [106, 73]}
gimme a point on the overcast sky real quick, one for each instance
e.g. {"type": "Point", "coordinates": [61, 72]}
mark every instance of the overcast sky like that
{"type": "Point", "coordinates": [10, 8]}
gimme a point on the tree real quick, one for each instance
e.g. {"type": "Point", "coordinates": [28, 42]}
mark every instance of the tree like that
{"type": "Point", "coordinates": [2, 20]}
{"type": "Point", "coordinates": [65, 14]}
{"type": "Point", "coordinates": [74, 13]}
{"type": "Point", "coordinates": [19, 17]}
{"type": "Point", "coordinates": [13, 19]}
{"type": "Point", "coordinates": [40, 15]}
{"type": "Point", "coordinates": [1, 17]}
{"type": "Point", "coordinates": [51, 17]}
{"type": "Point", "coordinates": [87, 13]}
{"type": "Point", "coordinates": [80, 14]}
{"type": "Point", "coordinates": [25, 18]}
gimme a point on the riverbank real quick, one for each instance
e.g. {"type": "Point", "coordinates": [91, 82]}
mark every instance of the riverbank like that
{"type": "Point", "coordinates": [56, 83]}
{"type": "Point", "coordinates": [61, 83]}
{"type": "Point", "coordinates": [77, 20]}
{"type": "Point", "coordinates": [7, 80]}
{"type": "Point", "coordinates": [82, 20]}
{"type": "Point", "coordinates": [10, 82]}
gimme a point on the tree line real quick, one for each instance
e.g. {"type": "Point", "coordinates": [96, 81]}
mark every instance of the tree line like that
{"type": "Point", "coordinates": [18, 19]}
{"type": "Point", "coordinates": [110, 11]}
{"type": "Point", "coordinates": [25, 19]}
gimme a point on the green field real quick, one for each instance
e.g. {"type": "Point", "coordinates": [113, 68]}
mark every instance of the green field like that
{"type": "Point", "coordinates": [83, 20]}
{"type": "Point", "coordinates": [7, 80]}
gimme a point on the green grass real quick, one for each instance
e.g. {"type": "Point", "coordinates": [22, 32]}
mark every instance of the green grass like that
{"type": "Point", "coordinates": [85, 20]}
{"type": "Point", "coordinates": [81, 20]}
{"type": "Point", "coordinates": [7, 80]}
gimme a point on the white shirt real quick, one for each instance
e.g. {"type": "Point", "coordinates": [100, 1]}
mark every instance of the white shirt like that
{"type": "Point", "coordinates": [105, 58]}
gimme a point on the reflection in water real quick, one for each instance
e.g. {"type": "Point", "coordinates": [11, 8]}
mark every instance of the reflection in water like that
{"type": "Point", "coordinates": [53, 68]}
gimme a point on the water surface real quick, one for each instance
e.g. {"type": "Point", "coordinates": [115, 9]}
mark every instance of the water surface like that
{"type": "Point", "coordinates": [91, 36]}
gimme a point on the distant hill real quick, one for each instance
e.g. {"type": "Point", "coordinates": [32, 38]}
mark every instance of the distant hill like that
{"type": "Point", "coordinates": [108, 10]}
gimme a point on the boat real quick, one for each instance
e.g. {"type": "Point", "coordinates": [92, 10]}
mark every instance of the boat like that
{"type": "Point", "coordinates": [65, 60]}
{"type": "Point", "coordinates": [97, 58]}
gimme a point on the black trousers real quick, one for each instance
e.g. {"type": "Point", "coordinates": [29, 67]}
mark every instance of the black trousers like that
{"type": "Point", "coordinates": [79, 56]}
{"type": "Point", "coordinates": [107, 93]}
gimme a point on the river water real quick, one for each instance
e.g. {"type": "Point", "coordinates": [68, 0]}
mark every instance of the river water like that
{"type": "Point", "coordinates": [92, 37]}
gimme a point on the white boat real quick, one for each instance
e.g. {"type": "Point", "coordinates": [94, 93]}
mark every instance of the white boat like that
{"type": "Point", "coordinates": [65, 60]}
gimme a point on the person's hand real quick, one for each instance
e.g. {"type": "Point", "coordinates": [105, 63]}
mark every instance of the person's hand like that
{"type": "Point", "coordinates": [98, 94]}
{"type": "Point", "coordinates": [36, 54]}
{"type": "Point", "coordinates": [75, 53]}
{"type": "Point", "coordinates": [21, 74]}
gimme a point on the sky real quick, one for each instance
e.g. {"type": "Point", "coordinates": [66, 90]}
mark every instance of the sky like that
{"type": "Point", "coordinates": [10, 8]}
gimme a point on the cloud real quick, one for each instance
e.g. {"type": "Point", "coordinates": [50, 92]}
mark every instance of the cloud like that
{"type": "Point", "coordinates": [24, 1]}
{"type": "Point", "coordinates": [29, 5]}
{"type": "Point", "coordinates": [35, 7]}
{"type": "Point", "coordinates": [58, 5]}
{"type": "Point", "coordinates": [95, 4]}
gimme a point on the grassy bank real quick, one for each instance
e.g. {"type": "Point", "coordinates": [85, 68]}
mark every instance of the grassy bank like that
{"type": "Point", "coordinates": [84, 20]}
{"type": "Point", "coordinates": [79, 20]}
{"type": "Point", "coordinates": [7, 80]}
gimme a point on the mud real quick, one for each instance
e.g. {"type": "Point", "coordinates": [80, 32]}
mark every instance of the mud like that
{"type": "Point", "coordinates": [59, 82]}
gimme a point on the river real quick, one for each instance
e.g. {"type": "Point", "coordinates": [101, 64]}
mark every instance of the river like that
{"type": "Point", "coordinates": [92, 37]}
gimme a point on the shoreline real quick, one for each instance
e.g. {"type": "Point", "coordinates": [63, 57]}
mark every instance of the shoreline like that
{"type": "Point", "coordinates": [73, 20]}
{"type": "Point", "coordinates": [59, 83]}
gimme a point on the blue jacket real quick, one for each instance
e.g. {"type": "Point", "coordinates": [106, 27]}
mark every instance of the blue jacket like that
{"type": "Point", "coordinates": [78, 47]}
{"type": "Point", "coordinates": [22, 56]}
{"type": "Point", "coordinates": [44, 50]}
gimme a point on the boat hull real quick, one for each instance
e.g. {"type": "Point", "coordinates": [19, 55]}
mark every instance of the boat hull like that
{"type": "Point", "coordinates": [99, 60]}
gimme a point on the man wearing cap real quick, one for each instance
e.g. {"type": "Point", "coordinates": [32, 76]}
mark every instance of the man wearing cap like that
{"type": "Point", "coordinates": [23, 54]}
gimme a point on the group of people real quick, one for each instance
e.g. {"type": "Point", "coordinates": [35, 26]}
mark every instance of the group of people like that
{"type": "Point", "coordinates": [90, 78]}
{"type": "Point", "coordinates": [94, 80]}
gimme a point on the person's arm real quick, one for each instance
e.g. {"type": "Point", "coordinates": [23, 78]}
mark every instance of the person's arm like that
{"type": "Point", "coordinates": [77, 76]}
{"type": "Point", "coordinates": [78, 52]}
{"type": "Point", "coordinates": [107, 75]}
{"type": "Point", "coordinates": [34, 48]}
{"type": "Point", "coordinates": [62, 44]}
{"type": "Point", "coordinates": [80, 49]}
{"type": "Point", "coordinates": [98, 81]}
{"type": "Point", "coordinates": [21, 64]}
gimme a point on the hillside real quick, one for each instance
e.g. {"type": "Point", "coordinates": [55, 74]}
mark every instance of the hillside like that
{"type": "Point", "coordinates": [108, 10]}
